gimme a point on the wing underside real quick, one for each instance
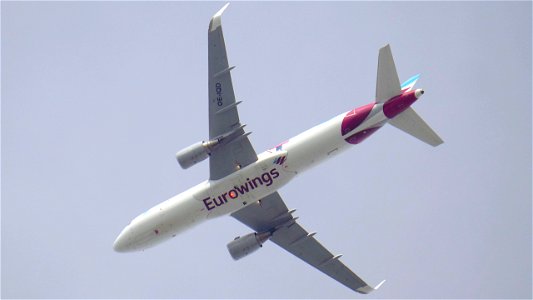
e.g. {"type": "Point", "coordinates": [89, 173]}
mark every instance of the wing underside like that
{"type": "Point", "coordinates": [223, 115]}
{"type": "Point", "coordinates": [271, 214]}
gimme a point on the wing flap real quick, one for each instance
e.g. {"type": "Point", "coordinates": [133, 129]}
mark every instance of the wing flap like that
{"type": "Point", "coordinates": [313, 253]}
{"type": "Point", "coordinates": [265, 214]}
{"type": "Point", "coordinates": [271, 214]}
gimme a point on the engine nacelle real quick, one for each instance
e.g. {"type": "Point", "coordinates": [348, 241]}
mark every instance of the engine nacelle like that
{"type": "Point", "coordinates": [242, 246]}
{"type": "Point", "coordinates": [195, 153]}
{"type": "Point", "coordinates": [198, 152]}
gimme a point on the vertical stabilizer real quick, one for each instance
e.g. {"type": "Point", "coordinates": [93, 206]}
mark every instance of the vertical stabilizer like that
{"type": "Point", "coordinates": [387, 83]}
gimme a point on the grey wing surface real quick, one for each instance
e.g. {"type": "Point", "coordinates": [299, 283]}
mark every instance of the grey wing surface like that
{"type": "Point", "coordinates": [235, 149]}
{"type": "Point", "coordinates": [271, 214]}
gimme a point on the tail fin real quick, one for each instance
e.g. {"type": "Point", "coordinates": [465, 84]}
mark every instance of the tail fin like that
{"type": "Point", "coordinates": [387, 83]}
{"type": "Point", "coordinates": [410, 122]}
{"type": "Point", "coordinates": [388, 86]}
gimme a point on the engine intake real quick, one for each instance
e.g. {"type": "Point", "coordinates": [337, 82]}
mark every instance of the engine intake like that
{"type": "Point", "coordinates": [242, 246]}
{"type": "Point", "coordinates": [195, 153]}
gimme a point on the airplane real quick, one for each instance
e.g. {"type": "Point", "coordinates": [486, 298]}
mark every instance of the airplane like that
{"type": "Point", "coordinates": [245, 185]}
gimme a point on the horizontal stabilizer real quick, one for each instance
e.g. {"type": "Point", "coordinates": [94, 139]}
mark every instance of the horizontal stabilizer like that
{"type": "Point", "coordinates": [410, 122]}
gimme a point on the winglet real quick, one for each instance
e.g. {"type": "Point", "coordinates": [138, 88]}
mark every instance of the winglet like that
{"type": "Point", "coordinates": [379, 285]}
{"type": "Point", "coordinates": [216, 20]}
{"type": "Point", "coordinates": [368, 289]}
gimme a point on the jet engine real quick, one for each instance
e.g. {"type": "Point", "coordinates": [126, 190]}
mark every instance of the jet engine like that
{"type": "Point", "coordinates": [198, 152]}
{"type": "Point", "coordinates": [195, 153]}
{"type": "Point", "coordinates": [242, 246]}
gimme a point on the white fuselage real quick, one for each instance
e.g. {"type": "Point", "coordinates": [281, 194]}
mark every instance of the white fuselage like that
{"type": "Point", "coordinates": [273, 169]}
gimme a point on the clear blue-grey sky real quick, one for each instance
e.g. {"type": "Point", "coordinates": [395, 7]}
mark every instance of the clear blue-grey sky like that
{"type": "Point", "coordinates": [98, 96]}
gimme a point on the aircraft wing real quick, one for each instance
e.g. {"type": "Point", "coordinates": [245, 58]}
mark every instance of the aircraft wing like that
{"type": "Point", "coordinates": [224, 123]}
{"type": "Point", "coordinates": [271, 214]}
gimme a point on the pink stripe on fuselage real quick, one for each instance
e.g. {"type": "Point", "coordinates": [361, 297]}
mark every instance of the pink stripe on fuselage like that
{"type": "Point", "coordinates": [398, 104]}
{"type": "Point", "coordinates": [355, 117]}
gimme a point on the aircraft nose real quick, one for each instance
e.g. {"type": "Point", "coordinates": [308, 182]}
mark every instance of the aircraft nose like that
{"type": "Point", "coordinates": [119, 246]}
{"type": "Point", "coordinates": [121, 243]}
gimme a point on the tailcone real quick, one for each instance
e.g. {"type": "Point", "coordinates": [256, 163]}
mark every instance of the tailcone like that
{"type": "Point", "coordinates": [419, 93]}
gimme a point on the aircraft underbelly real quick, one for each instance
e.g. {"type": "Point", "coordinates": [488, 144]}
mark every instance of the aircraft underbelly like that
{"type": "Point", "coordinates": [246, 186]}
{"type": "Point", "coordinates": [330, 138]}
{"type": "Point", "coordinates": [314, 145]}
